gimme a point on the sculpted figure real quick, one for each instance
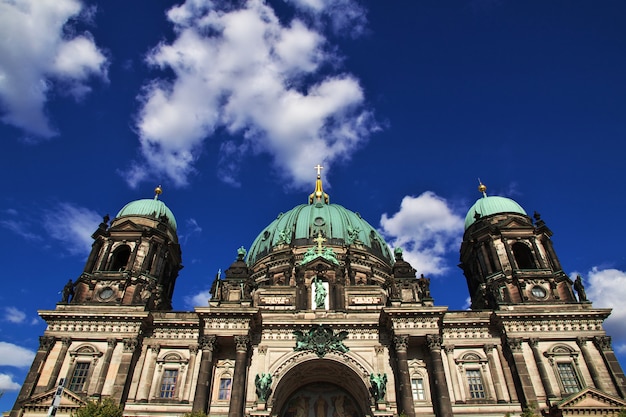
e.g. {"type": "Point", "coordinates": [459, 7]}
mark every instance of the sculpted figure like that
{"type": "Point", "coordinates": [263, 382]}
{"type": "Point", "coordinates": [320, 293]}
{"type": "Point", "coordinates": [580, 289]}
{"type": "Point", "coordinates": [379, 386]}
{"type": "Point", "coordinates": [68, 292]}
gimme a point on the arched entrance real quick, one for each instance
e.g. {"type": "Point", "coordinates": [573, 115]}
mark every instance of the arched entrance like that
{"type": "Point", "coordinates": [321, 388]}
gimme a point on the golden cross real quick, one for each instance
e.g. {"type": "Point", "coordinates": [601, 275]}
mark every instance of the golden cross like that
{"type": "Point", "coordinates": [319, 169]}
{"type": "Point", "coordinates": [319, 239]}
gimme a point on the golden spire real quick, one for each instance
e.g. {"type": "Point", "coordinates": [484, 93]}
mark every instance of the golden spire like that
{"type": "Point", "coordinates": [157, 192]}
{"type": "Point", "coordinates": [319, 195]}
{"type": "Point", "coordinates": [482, 188]}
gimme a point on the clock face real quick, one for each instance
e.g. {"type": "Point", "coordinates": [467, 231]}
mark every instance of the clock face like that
{"type": "Point", "coordinates": [538, 292]}
{"type": "Point", "coordinates": [106, 293]}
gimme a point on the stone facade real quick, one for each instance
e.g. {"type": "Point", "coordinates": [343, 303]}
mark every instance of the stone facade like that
{"type": "Point", "coordinates": [324, 327]}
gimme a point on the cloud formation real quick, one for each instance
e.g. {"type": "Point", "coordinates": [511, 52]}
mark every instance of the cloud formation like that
{"type": "Point", "coordinates": [14, 315]}
{"type": "Point", "coordinates": [270, 87]}
{"type": "Point", "coordinates": [7, 383]}
{"type": "Point", "coordinates": [73, 226]}
{"type": "Point", "coordinates": [607, 288]}
{"type": "Point", "coordinates": [427, 229]}
{"type": "Point", "coordinates": [14, 355]}
{"type": "Point", "coordinates": [38, 51]}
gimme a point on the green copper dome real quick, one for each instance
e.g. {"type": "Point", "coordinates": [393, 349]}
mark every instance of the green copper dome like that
{"type": "Point", "coordinates": [487, 206]}
{"type": "Point", "coordinates": [147, 207]}
{"type": "Point", "coordinates": [303, 223]}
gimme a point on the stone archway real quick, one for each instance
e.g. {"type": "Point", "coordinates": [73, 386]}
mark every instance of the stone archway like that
{"type": "Point", "coordinates": [321, 388]}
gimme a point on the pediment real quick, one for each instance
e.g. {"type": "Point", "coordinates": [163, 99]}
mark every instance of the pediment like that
{"type": "Point", "coordinates": [126, 226]}
{"type": "Point", "coordinates": [514, 223]}
{"type": "Point", "coordinates": [44, 400]}
{"type": "Point", "coordinates": [589, 398]}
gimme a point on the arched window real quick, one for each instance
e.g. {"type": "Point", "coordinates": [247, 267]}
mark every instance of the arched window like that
{"type": "Point", "coordinates": [171, 367]}
{"type": "Point", "coordinates": [564, 362]}
{"type": "Point", "coordinates": [120, 257]}
{"type": "Point", "coordinates": [83, 361]}
{"type": "Point", "coordinates": [523, 256]}
{"type": "Point", "coordinates": [474, 366]}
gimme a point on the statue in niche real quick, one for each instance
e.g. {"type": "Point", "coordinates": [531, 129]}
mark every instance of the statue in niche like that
{"type": "Point", "coordinates": [580, 289]}
{"type": "Point", "coordinates": [263, 383]}
{"type": "Point", "coordinates": [68, 292]}
{"type": "Point", "coordinates": [379, 386]}
{"type": "Point", "coordinates": [320, 293]}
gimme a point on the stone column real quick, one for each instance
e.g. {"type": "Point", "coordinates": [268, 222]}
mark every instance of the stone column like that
{"type": "Point", "coordinates": [105, 257]}
{"type": "Point", "coordinates": [239, 378]}
{"type": "Point", "coordinates": [442, 397]}
{"type": "Point", "coordinates": [406, 396]}
{"type": "Point", "coordinates": [449, 349]}
{"type": "Point", "coordinates": [45, 344]}
{"type": "Point", "coordinates": [54, 376]}
{"type": "Point", "coordinates": [122, 380]}
{"type": "Point", "coordinates": [200, 399]}
{"type": "Point", "coordinates": [193, 352]}
{"type": "Point", "coordinates": [617, 375]}
{"type": "Point", "coordinates": [595, 377]}
{"type": "Point", "coordinates": [145, 382]}
{"type": "Point", "coordinates": [493, 370]}
{"type": "Point", "coordinates": [138, 373]}
{"type": "Point", "coordinates": [541, 366]}
{"type": "Point", "coordinates": [522, 374]}
{"type": "Point", "coordinates": [508, 376]}
{"type": "Point", "coordinates": [111, 343]}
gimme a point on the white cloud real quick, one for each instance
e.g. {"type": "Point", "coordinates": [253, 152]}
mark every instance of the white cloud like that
{"type": "Point", "coordinates": [191, 228]}
{"type": "Point", "coordinates": [260, 80]}
{"type": "Point", "coordinates": [14, 315]}
{"type": "Point", "coordinates": [607, 288]}
{"type": "Point", "coordinates": [14, 355]}
{"type": "Point", "coordinates": [427, 229]}
{"type": "Point", "coordinates": [200, 299]}
{"type": "Point", "coordinates": [345, 17]}
{"type": "Point", "coordinates": [7, 383]}
{"type": "Point", "coordinates": [73, 226]}
{"type": "Point", "coordinates": [20, 228]}
{"type": "Point", "coordinates": [36, 51]}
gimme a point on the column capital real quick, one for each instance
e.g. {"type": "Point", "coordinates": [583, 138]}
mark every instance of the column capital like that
{"type": "Point", "coordinates": [434, 341]}
{"type": "Point", "coordinates": [193, 349]}
{"type": "Point", "coordinates": [488, 348]}
{"type": "Point", "coordinates": [111, 342]}
{"type": "Point", "coordinates": [66, 341]}
{"type": "Point", "coordinates": [515, 344]}
{"type": "Point", "coordinates": [241, 343]}
{"type": "Point", "coordinates": [448, 349]}
{"type": "Point", "coordinates": [130, 344]}
{"type": "Point", "coordinates": [533, 342]}
{"type": "Point", "coordinates": [582, 341]}
{"type": "Point", "coordinates": [46, 343]}
{"type": "Point", "coordinates": [207, 342]}
{"type": "Point", "coordinates": [603, 342]}
{"type": "Point", "coordinates": [401, 342]}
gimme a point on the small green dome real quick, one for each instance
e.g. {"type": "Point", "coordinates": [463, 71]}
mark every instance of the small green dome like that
{"type": "Point", "coordinates": [299, 225]}
{"type": "Point", "coordinates": [487, 206]}
{"type": "Point", "coordinates": [149, 208]}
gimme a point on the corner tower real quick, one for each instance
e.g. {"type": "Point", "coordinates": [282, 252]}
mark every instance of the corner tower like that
{"type": "Point", "coordinates": [134, 261]}
{"type": "Point", "coordinates": [507, 259]}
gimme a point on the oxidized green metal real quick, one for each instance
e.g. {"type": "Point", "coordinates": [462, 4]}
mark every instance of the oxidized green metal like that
{"type": "Point", "coordinates": [321, 340]}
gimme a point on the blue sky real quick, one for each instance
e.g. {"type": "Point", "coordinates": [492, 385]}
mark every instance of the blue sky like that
{"type": "Point", "coordinates": [405, 103]}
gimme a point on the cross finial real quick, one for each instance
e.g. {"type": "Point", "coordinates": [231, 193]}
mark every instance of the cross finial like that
{"type": "Point", "coordinates": [319, 169]}
{"type": "Point", "coordinates": [319, 240]}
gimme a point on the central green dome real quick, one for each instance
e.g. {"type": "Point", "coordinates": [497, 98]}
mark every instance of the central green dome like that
{"type": "Point", "coordinates": [487, 206]}
{"type": "Point", "coordinates": [149, 207]}
{"type": "Point", "coordinates": [303, 223]}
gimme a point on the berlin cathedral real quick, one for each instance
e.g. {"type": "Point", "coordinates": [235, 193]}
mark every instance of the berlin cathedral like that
{"type": "Point", "coordinates": [319, 318]}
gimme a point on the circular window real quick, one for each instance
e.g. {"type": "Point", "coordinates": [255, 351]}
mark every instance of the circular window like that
{"type": "Point", "coordinates": [319, 221]}
{"type": "Point", "coordinates": [538, 292]}
{"type": "Point", "coordinates": [106, 293]}
{"type": "Point", "coordinates": [266, 234]}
